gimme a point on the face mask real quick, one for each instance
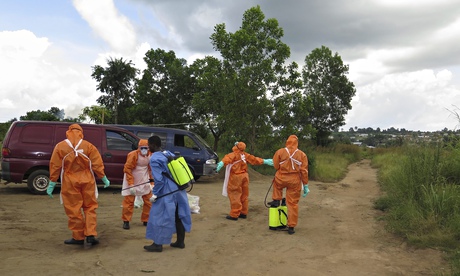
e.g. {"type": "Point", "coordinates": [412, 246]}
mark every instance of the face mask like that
{"type": "Point", "coordinates": [144, 151]}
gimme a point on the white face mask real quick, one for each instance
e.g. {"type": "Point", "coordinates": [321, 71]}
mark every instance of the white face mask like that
{"type": "Point", "coordinates": [144, 151]}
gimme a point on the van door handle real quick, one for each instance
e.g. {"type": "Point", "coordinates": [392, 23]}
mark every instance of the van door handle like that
{"type": "Point", "coordinates": [108, 155]}
{"type": "Point", "coordinates": [177, 152]}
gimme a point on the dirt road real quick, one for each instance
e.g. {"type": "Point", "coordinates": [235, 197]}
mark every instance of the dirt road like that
{"type": "Point", "coordinates": [338, 234]}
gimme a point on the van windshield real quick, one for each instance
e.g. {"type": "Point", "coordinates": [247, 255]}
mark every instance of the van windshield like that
{"type": "Point", "coordinates": [204, 143]}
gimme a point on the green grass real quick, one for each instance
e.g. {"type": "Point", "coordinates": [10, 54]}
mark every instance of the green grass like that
{"type": "Point", "coordinates": [329, 167]}
{"type": "Point", "coordinates": [421, 197]}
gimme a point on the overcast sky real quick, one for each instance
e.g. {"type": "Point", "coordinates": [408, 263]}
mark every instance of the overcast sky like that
{"type": "Point", "coordinates": [403, 55]}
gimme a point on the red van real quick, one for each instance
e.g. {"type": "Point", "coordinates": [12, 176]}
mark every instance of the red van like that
{"type": "Point", "coordinates": [28, 146]}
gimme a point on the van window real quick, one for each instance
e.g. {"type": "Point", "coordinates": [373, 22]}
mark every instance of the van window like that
{"type": "Point", "coordinates": [37, 134]}
{"type": "Point", "coordinates": [144, 134]}
{"type": "Point", "coordinates": [116, 141]}
{"type": "Point", "coordinates": [147, 134]}
{"type": "Point", "coordinates": [184, 141]}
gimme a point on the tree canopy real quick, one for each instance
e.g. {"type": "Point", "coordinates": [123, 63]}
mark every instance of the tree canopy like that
{"type": "Point", "coordinates": [328, 89]}
{"type": "Point", "coordinates": [116, 82]}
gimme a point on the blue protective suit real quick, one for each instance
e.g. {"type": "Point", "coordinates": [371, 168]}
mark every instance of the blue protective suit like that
{"type": "Point", "coordinates": [161, 225]}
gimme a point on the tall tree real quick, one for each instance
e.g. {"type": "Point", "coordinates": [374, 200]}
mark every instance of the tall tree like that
{"type": "Point", "coordinates": [164, 93]}
{"type": "Point", "coordinates": [291, 106]}
{"type": "Point", "coordinates": [96, 114]}
{"type": "Point", "coordinates": [330, 91]}
{"type": "Point", "coordinates": [253, 56]}
{"type": "Point", "coordinates": [211, 87]}
{"type": "Point", "coordinates": [116, 83]}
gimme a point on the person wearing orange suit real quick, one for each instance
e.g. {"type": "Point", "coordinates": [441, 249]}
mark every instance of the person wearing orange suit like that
{"type": "Point", "coordinates": [136, 182]}
{"type": "Point", "coordinates": [75, 161]}
{"type": "Point", "coordinates": [291, 166]}
{"type": "Point", "coordinates": [236, 184]}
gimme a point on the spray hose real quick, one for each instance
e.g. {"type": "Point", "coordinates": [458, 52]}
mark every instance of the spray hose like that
{"type": "Point", "coordinates": [269, 188]}
{"type": "Point", "coordinates": [132, 187]}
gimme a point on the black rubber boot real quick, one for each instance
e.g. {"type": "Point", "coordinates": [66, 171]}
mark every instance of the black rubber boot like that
{"type": "Point", "coordinates": [243, 216]}
{"type": "Point", "coordinates": [231, 218]}
{"type": "Point", "coordinates": [74, 241]}
{"type": "Point", "coordinates": [92, 240]}
{"type": "Point", "coordinates": [154, 247]}
{"type": "Point", "coordinates": [126, 225]}
{"type": "Point", "coordinates": [291, 230]}
{"type": "Point", "coordinates": [180, 233]}
{"type": "Point", "coordinates": [274, 203]}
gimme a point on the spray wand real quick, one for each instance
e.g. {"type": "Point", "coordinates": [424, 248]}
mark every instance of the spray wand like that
{"type": "Point", "coordinates": [150, 180]}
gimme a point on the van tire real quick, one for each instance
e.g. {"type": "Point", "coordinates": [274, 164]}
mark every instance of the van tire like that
{"type": "Point", "coordinates": [38, 182]}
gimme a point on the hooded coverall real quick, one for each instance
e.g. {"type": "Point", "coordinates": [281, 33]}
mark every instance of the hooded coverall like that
{"type": "Point", "coordinates": [291, 166]}
{"type": "Point", "coordinates": [238, 178]}
{"type": "Point", "coordinates": [76, 161]}
{"type": "Point", "coordinates": [170, 212]}
{"type": "Point", "coordinates": [137, 172]}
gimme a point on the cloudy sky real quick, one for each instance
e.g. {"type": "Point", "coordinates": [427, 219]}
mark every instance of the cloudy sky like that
{"type": "Point", "coordinates": [404, 55]}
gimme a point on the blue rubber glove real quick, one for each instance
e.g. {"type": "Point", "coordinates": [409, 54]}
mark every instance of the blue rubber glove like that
{"type": "Point", "coordinates": [50, 188]}
{"type": "Point", "coordinates": [219, 166]}
{"type": "Point", "coordinates": [268, 162]}
{"type": "Point", "coordinates": [106, 181]}
{"type": "Point", "coordinates": [305, 190]}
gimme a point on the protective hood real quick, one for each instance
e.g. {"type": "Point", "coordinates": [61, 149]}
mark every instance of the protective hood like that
{"type": "Point", "coordinates": [143, 143]}
{"type": "Point", "coordinates": [74, 134]}
{"type": "Point", "coordinates": [239, 147]}
{"type": "Point", "coordinates": [292, 142]}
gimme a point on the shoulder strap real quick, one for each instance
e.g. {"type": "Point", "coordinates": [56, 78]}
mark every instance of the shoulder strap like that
{"type": "Point", "coordinates": [293, 160]}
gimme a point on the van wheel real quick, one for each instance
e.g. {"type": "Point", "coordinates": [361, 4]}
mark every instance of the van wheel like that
{"type": "Point", "coordinates": [38, 182]}
{"type": "Point", "coordinates": [196, 177]}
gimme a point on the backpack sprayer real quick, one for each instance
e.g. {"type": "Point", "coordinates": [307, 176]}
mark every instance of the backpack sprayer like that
{"type": "Point", "coordinates": [179, 173]}
{"type": "Point", "coordinates": [277, 212]}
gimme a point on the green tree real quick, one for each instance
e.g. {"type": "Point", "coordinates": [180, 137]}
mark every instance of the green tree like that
{"type": "Point", "coordinates": [291, 106]}
{"type": "Point", "coordinates": [330, 91]}
{"type": "Point", "coordinates": [253, 57]}
{"type": "Point", "coordinates": [165, 91]}
{"type": "Point", "coordinates": [212, 86]}
{"type": "Point", "coordinates": [96, 114]}
{"type": "Point", "coordinates": [53, 114]}
{"type": "Point", "coordinates": [116, 83]}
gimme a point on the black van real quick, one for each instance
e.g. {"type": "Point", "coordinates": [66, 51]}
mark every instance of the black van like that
{"type": "Point", "coordinates": [201, 159]}
{"type": "Point", "coordinates": [28, 146]}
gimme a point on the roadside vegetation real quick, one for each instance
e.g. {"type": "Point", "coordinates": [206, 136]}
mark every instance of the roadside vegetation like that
{"type": "Point", "coordinates": [421, 185]}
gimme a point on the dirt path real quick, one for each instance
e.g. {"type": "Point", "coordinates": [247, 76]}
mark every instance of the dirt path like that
{"type": "Point", "coordinates": [338, 234]}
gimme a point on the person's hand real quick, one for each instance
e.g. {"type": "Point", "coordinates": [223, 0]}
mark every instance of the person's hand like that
{"type": "Point", "coordinates": [106, 181]}
{"type": "Point", "coordinates": [50, 188]}
{"type": "Point", "coordinates": [153, 198]}
{"type": "Point", "coordinates": [268, 162]}
{"type": "Point", "coordinates": [132, 191]}
{"type": "Point", "coordinates": [305, 190]}
{"type": "Point", "coordinates": [219, 166]}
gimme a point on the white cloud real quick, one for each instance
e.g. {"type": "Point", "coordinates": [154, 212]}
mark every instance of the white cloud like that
{"type": "Point", "coordinates": [108, 23]}
{"type": "Point", "coordinates": [36, 77]}
{"type": "Point", "coordinates": [414, 101]}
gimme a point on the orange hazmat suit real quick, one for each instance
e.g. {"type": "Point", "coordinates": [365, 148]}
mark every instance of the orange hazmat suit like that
{"type": "Point", "coordinates": [291, 166]}
{"type": "Point", "coordinates": [237, 178]}
{"type": "Point", "coordinates": [137, 175]}
{"type": "Point", "coordinates": [75, 161]}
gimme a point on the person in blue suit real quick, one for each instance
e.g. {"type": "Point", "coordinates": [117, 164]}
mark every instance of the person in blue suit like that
{"type": "Point", "coordinates": [170, 212]}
